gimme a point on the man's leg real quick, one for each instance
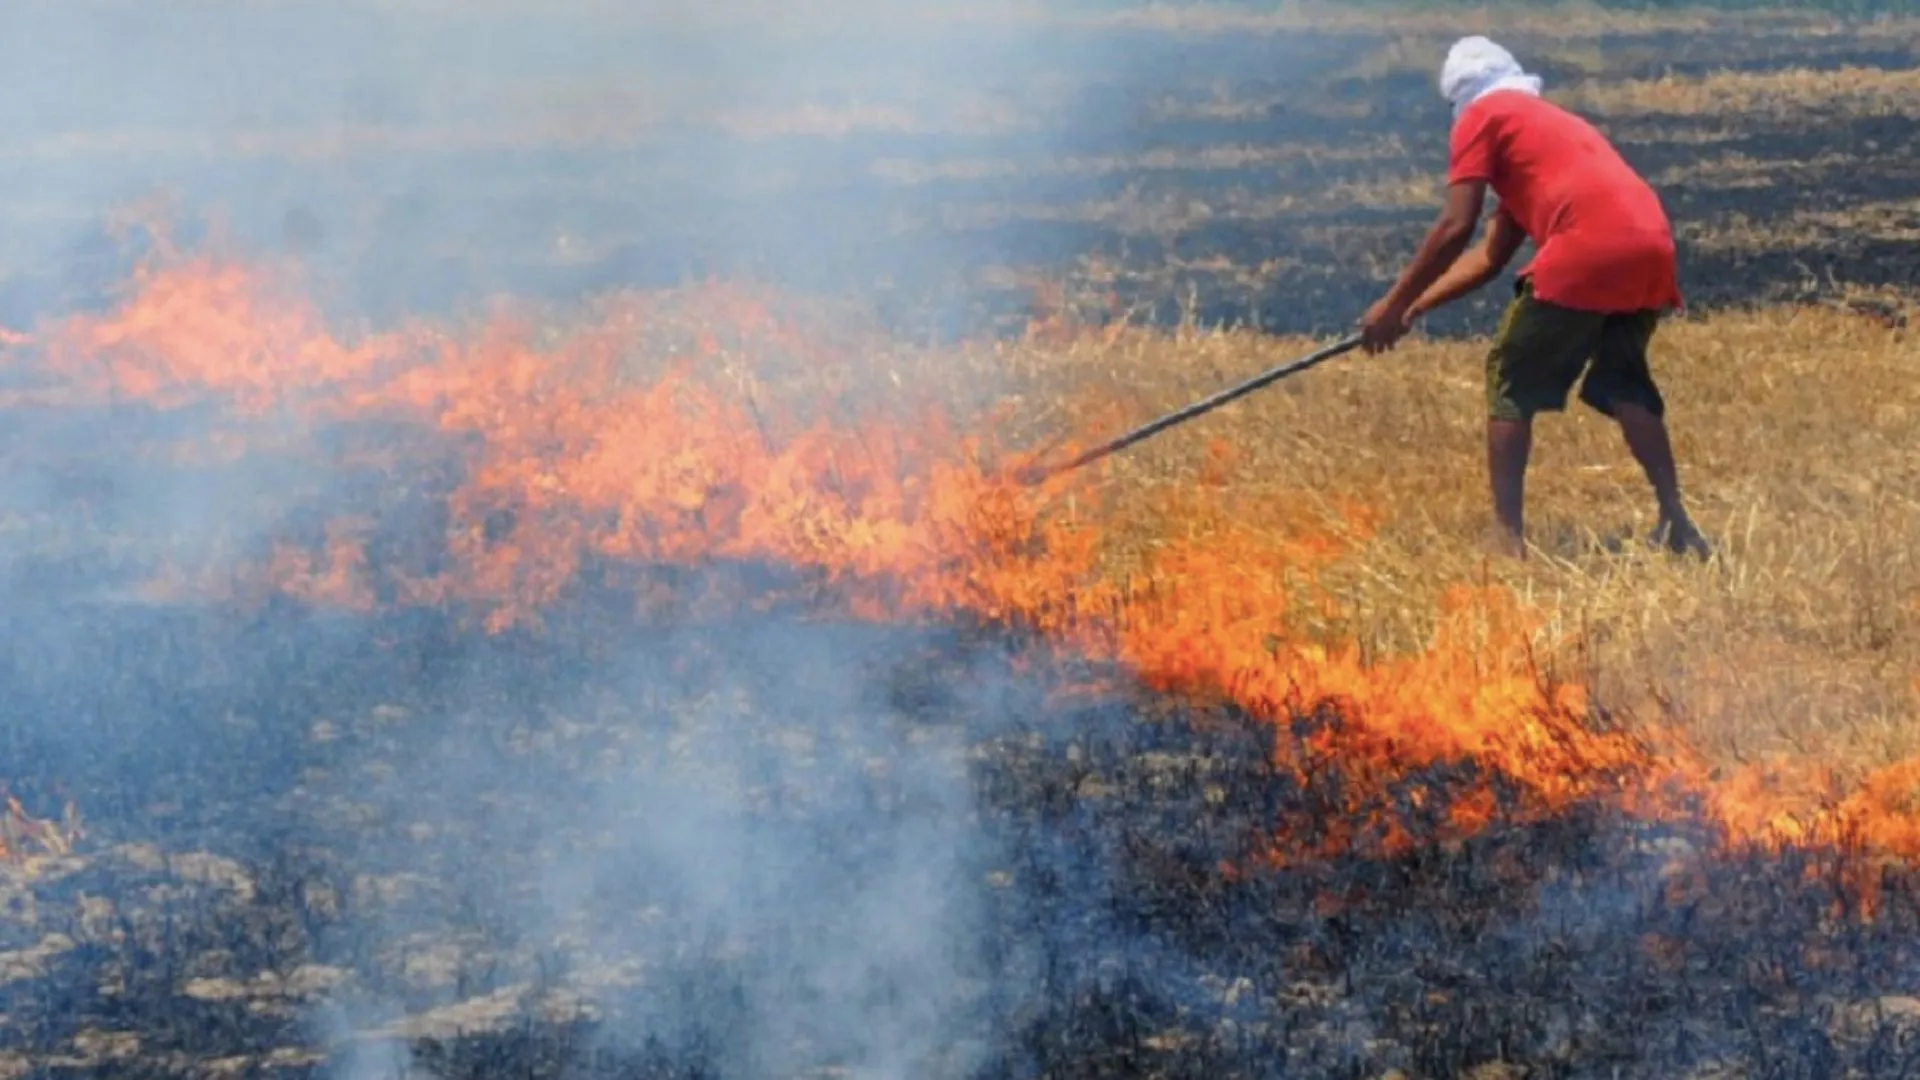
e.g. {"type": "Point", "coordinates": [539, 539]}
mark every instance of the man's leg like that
{"type": "Point", "coordinates": [1646, 435]}
{"type": "Point", "coordinates": [1508, 444]}
{"type": "Point", "coordinates": [1621, 385]}
{"type": "Point", "coordinates": [1537, 355]}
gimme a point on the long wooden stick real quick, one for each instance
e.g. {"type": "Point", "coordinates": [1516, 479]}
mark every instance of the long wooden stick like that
{"type": "Point", "coordinates": [1205, 405]}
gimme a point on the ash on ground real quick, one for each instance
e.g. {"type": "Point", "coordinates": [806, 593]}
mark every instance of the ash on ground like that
{"type": "Point", "coordinates": [784, 846]}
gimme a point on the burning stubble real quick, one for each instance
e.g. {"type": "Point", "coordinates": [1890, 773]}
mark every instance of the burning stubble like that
{"type": "Point", "coordinates": [715, 828]}
{"type": "Point", "coordinates": [576, 718]}
{"type": "Point", "coordinates": [520, 697]}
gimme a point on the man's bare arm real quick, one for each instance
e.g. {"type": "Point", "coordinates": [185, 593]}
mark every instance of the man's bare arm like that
{"type": "Point", "coordinates": [1475, 268]}
{"type": "Point", "coordinates": [1443, 246]}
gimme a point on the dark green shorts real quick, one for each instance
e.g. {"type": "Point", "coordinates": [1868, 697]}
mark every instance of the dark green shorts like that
{"type": "Point", "coordinates": [1542, 349]}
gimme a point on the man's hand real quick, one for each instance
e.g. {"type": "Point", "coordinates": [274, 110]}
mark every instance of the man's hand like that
{"type": "Point", "coordinates": [1389, 320]}
{"type": "Point", "coordinates": [1383, 326]}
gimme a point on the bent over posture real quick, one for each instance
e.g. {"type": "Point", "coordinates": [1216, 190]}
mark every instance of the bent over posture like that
{"type": "Point", "coordinates": [1604, 272]}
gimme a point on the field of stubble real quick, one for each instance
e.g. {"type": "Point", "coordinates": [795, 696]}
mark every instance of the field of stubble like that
{"type": "Point", "coordinates": [773, 844]}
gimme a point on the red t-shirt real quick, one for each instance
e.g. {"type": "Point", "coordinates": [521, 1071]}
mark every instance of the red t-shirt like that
{"type": "Point", "coordinates": [1602, 241]}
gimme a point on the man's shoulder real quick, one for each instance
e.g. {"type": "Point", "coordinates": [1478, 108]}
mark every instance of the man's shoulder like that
{"type": "Point", "coordinates": [1502, 109]}
{"type": "Point", "coordinates": [1519, 106]}
{"type": "Point", "coordinates": [1532, 120]}
{"type": "Point", "coordinates": [1475, 119]}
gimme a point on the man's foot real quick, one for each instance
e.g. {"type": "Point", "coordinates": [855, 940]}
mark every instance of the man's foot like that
{"type": "Point", "coordinates": [1680, 537]}
{"type": "Point", "coordinates": [1506, 545]}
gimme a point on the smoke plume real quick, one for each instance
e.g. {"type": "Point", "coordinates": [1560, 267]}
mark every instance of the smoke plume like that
{"type": "Point", "coordinates": [744, 853]}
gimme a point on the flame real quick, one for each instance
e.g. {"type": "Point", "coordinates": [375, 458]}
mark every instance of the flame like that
{"type": "Point", "coordinates": [201, 326]}
{"type": "Point", "coordinates": [583, 450]}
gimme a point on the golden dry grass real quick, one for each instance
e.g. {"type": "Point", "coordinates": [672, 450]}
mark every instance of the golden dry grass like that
{"type": "Point", "coordinates": [1858, 91]}
{"type": "Point", "coordinates": [1794, 431]}
{"type": "Point", "coordinates": [1886, 220]}
{"type": "Point", "coordinates": [1738, 171]}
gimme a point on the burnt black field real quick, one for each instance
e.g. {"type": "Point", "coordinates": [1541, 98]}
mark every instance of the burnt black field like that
{"type": "Point", "coordinates": [789, 845]}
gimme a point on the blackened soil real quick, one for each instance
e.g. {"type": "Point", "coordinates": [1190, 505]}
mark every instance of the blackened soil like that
{"type": "Point", "coordinates": [788, 845]}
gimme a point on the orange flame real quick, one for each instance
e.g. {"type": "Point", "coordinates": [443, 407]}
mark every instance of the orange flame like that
{"type": "Point", "coordinates": [578, 451]}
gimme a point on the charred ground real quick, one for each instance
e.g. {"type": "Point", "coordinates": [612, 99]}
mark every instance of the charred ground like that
{"type": "Point", "coordinates": [333, 809]}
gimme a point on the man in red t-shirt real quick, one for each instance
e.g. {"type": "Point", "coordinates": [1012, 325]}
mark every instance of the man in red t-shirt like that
{"type": "Point", "coordinates": [1603, 274]}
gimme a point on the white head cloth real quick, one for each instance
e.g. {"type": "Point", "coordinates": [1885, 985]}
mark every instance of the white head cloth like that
{"type": "Point", "coordinates": [1476, 67]}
